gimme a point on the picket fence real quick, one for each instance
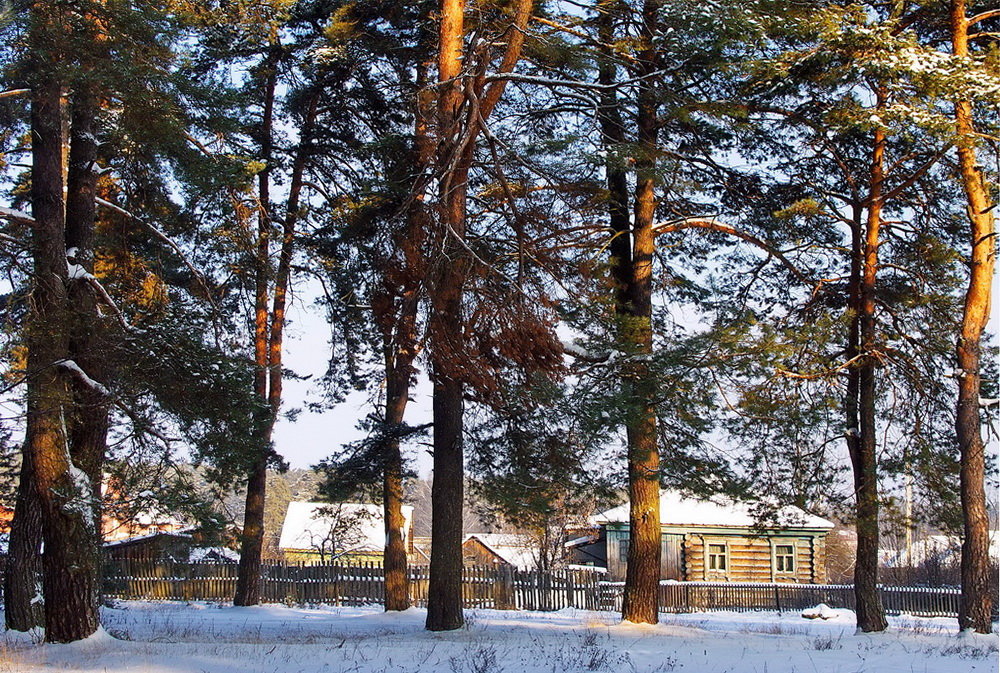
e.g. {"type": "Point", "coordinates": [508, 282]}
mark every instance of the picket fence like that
{"type": "Point", "coordinates": [501, 588]}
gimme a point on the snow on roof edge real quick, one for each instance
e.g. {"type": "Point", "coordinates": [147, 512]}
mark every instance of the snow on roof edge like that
{"type": "Point", "coordinates": [679, 510]}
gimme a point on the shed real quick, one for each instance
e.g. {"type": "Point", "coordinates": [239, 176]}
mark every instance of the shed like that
{"type": "Point", "coordinates": [717, 540]}
{"type": "Point", "coordinates": [174, 546]}
{"type": "Point", "coordinates": [499, 549]}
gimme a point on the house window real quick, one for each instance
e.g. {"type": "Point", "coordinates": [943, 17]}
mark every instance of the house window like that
{"type": "Point", "coordinates": [784, 558]}
{"type": "Point", "coordinates": [717, 557]}
{"type": "Point", "coordinates": [623, 543]}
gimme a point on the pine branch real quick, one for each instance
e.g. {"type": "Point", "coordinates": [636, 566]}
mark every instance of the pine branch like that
{"type": "Point", "coordinates": [711, 224]}
{"type": "Point", "coordinates": [982, 16]}
{"type": "Point", "coordinates": [83, 377]}
{"type": "Point", "coordinates": [169, 242]}
{"type": "Point", "coordinates": [16, 216]}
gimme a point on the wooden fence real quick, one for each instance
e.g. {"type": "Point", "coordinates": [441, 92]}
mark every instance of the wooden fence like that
{"type": "Point", "coordinates": [494, 587]}
{"type": "Point", "coordinates": [348, 584]}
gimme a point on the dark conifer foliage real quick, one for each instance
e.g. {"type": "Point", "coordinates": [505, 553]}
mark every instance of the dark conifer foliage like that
{"type": "Point", "coordinates": [742, 248]}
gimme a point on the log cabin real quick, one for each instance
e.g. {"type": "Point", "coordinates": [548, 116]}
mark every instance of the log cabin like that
{"type": "Point", "coordinates": [718, 540]}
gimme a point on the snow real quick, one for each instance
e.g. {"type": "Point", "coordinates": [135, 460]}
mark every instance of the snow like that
{"type": "Point", "coordinates": [82, 502]}
{"type": "Point", "coordinates": [77, 272]}
{"type": "Point", "coordinates": [13, 214]}
{"type": "Point", "coordinates": [82, 375]}
{"type": "Point", "coordinates": [821, 611]}
{"type": "Point", "coordinates": [680, 510]}
{"type": "Point", "coordinates": [198, 554]}
{"type": "Point", "coordinates": [153, 637]}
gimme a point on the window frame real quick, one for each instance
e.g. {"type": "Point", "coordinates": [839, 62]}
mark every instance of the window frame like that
{"type": "Point", "coordinates": [777, 556]}
{"type": "Point", "coordinates": [624, 541]}
{"type": "Point", "coordinates": [712, 556]}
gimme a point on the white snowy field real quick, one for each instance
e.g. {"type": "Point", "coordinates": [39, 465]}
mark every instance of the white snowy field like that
{"type": "Point", "coordinates": [179, 638]}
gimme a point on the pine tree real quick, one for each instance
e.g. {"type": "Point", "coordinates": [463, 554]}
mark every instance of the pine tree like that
{"type": "Point", "coordinates": [977, 601]}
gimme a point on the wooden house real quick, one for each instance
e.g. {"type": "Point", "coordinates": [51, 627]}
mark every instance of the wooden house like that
{"type": "Point", "coordinates": [322, 532]}
{"type": "Point", "coordinates": [718, 540]}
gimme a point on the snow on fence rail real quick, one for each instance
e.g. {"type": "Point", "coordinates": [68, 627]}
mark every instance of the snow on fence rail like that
{"type": "Point", "coordinates": [494, 587]}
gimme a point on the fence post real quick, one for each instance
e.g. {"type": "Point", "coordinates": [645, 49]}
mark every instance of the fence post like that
{"type": "Point", "coordinates": [777, 598]}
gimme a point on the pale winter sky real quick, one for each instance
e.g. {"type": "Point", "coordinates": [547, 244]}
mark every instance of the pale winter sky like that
{"type": "Point", "coordinates": [314, 436]}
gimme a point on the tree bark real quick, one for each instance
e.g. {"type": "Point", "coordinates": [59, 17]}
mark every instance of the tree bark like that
{"type": "Point", "coordinates": [870, 612]}
{"type": "Point", "coordinates": [444, 597]}
{"type": "Point", "coordinates": [89, 422]}
{"type": "Point", "coordinates": [268, 343]}
{"type": "Point", "coordinates": [64, 491]}
{"type": "Point", "coordinates": [400, 338]}
{"type": "Point", "coordinates": [22, 586]}
{"type": "Point", "coordinates": [247, 590]}
{"type": "Point", "coordinates": [642, 575]}
{"type": "Point", "coordinates": [975, 609]}
{"type": "Point", "coordinates": [447, 325]}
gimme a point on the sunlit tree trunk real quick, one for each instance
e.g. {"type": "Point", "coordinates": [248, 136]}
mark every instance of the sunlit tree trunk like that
{"type": "Point", "coordinates": [977, 601]}
{"type": "Point", "coordinates": [457, 133]}
{"type": "Point", "coordinates": [870, 612]}
{"type": "Point", "coordinates": [444, 598]}
{"type": "Point", "coordinates": [400, 337]}
{"type": "Point", "coordinates": [64, 491]}
{"type": "Point", "coordinates": [642, 575]}
{"type": "Point", "coordinates": [269, 329]}
{"type": "Point", "coordinates": [252, 540]}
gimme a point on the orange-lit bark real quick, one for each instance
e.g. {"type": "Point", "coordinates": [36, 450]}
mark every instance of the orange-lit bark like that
{"type": "Point", "coordinates": [977, 600]}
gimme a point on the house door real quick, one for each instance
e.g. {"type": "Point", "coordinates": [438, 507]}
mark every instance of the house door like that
{"type": "Point", "coordinates": [672, 557]}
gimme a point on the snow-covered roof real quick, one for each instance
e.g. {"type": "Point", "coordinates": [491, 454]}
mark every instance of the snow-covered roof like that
{"type": "Point", "coordinates": [517, 550]}
{"type": "Point", "coordinates": [306, 527]}
{"type": "Point", "coordinates": [185, 533]}
{"type": "Point", "coordinates": [198, 554]}
{"type": "Point", "coordinates": [681, 510]}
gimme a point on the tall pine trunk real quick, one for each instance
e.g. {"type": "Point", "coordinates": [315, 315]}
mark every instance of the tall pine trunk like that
{"type": "Point", "coordinates": [870, 612]}
{"type": "Point", "coordinates": [401, 352]}
{"type": "Point", "coordinates": [444, 596]}
{"type": "Point", "coordinates": [22, 582]}
{"type": "Point", "coordinates": [252, 540]}
{"type": "Point", "coordinates": [269, 329]}
{"type": "Point", "coordinates": [400, 339]}
{"type": "Point", "coordinates": [65, 492]}
{"type": "Point", "coordinates": [456, 150]}
{"type": "Point", "coordinates": [642, 575]}
{"type": "Point", "coordinates": [88, 425]}
{"type": "Point", "coordinates": [977, 601]}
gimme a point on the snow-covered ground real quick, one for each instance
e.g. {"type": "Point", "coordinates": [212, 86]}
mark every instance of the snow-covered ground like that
{"type": "Point", "coordinates": [174, 638]}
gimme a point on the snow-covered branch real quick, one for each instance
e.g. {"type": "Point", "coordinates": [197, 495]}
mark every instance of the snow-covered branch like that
{"type": "Point", "coordinates": [83, 377]}
{"type": "Point", "coordinates": [77, 272]}
{"type": "Point", "coordinates": [16, 216]}
{"type": "Point", "coordinates": [11, 93]}
{"type": "Point", "coordinates": [577, 351]}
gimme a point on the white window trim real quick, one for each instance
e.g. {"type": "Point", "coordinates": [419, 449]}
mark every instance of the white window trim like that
{"type": "Point", "coordinates": [784, 542]}
{"type": "Point", "coordinates": [706, 542]}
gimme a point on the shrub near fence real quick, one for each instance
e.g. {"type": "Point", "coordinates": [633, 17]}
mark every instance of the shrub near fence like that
{"type": "Point", "coordinates": [501, 588]}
